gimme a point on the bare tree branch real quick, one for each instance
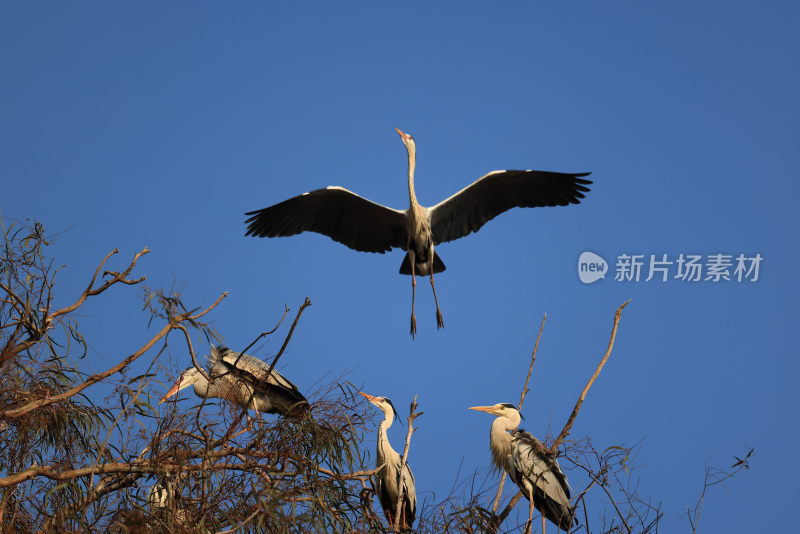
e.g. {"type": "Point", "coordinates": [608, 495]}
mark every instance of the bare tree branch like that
{"type": "Point", "coordinates": [17, 412]}
{"type": "Point", "coordinates": [525, 390]}
{"type": "Point", "coordinates": [571, 420]}
{"type": "Point", "coordinates": [401, 476]}
{"type": "Point", "coordinates": [37, 332]}
{"type": "Point", "coordinates": [305, 305]}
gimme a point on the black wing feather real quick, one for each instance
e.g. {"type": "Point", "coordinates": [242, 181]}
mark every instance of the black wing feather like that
{"type": "Point", "coordinates": [499, 191]}
{"type": "Point", "coordinates": [337, 213]}
{"type": "Point", "coordinates": [534, 463]}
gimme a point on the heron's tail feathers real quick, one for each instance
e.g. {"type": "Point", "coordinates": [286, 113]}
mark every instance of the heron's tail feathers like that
{"type": "Point", "coordinates": [422, 269]}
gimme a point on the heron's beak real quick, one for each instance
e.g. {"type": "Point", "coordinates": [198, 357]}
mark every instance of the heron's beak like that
{"type": "Point", "coordinates": [487, 409]}
{"type": "Point", "coordinates": [368, 396]}
{"type": "Point", "coordinates": [173, 390]}
{"type": "Point", "coordinates": [184, 381]}
{"type": "Point", "coordinates": [404, 135]}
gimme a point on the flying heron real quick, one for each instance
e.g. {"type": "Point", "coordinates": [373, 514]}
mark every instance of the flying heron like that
{"type": "Point", "coordinates": [367, 226]}
{"type": "Point", "coordinates": [530, 465]}
{"type": "Point", "coordinates": [389, 476]}
{"type": "Point", "coordinates": [243, 380]}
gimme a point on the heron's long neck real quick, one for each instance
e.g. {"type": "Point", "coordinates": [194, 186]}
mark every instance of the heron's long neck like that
{"type": "Point", "coordinates": [500, 441]}
{"type": "Point", "coordinates": [384, 447]}
{"type": "Point", "coordinates": [412, 195]}
{"type": "Point", "coordinates": [201, 386]}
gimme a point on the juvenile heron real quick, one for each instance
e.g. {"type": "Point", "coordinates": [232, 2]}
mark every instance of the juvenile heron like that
{"type": "Point", "coordinates": [242, 379]}
{"type": "Point", "coordinates": [388, 476]}
{"type": "Point", "coordinates": [370, 227]}
{"type": "Point", "coordinates": [530, 465]}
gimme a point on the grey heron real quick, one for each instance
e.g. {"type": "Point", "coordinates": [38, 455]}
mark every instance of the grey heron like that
{"type": "Point", "coordinates": [530, 465]}
{"type": "Point", "coordinates": [162, 497]}
{"type": "Point", "coordinates": [387, 478]}
{"type": "Point", "coordinates": [242, 379]}
{"type": "Point", "coordinates": [367, 226]}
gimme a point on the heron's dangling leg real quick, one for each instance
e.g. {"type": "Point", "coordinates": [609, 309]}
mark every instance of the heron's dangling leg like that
{"type": "Point", "coordinates": [439, 319]}
{"type": "Point", "coordinates": [529, 524]}
{"type": "Point", "coordinates": [543, 523]}
{"type": "Point", "coordinates": [413, 294]}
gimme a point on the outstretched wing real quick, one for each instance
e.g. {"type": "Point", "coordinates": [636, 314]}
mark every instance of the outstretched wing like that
{"type": "Point", "coordinates": [337, 213]}
{"type": "Point", "coordinates": [499, 191]}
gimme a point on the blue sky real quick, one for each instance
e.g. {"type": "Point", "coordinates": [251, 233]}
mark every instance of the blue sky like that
{"type": "Point", "coordinates": [160, 125]}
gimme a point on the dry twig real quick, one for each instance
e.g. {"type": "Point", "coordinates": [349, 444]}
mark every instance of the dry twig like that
{"type": "Point", "coordinates": [571, 420]}
{"type": "Point", "coordinates": [521, 400]}
{"type": "Point", "coordinates": [413, 414]}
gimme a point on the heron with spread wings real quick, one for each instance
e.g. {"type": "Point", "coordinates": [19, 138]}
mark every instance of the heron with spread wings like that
{"type": "Point", "coordinates": [367, 226]}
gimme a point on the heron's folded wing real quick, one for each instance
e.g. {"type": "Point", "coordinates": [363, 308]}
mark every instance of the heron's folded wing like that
{"type": "Point", "coordinates": [256, 369]}
{"type": "Point", "coordinates": [532, 460]}
{"type": "Point", "coordinates": [337, 213]}
{"type": "Point", "coordinates": [498, 191]}
{"type": "Point", "coordinates": [411, 491]}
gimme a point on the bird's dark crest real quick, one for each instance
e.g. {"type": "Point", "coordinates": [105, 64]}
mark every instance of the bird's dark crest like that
{"type": "Point", "coordinates": [509, 405]}
{"type": "Point", "coordinates": [397, 416]}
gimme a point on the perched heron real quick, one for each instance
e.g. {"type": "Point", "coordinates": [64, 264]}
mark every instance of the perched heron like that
{"type": "Point", "coordinates": [242, 379]}
{"type": "Point", "coordinates": [162, 497]}
{"type": "Point", "coordinates": [369, 227]}
{"type": "Point", "coordinates": [389, 475]}
{"type": "Point", "coordinates": [530, 465]}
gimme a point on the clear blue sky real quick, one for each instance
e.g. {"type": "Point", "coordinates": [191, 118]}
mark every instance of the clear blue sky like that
{"type": "Point", "coordinates": [160, 125]}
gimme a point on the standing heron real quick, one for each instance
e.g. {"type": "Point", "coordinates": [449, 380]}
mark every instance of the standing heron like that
{"type": "Point", "coordinates": [530, 465]}
{"type": "Point", "coordinates": [369, 227]}
{"type": "Point", "coordinates": [162, 497]}
{"type": "Point", "coordinates": [245, 381]}
{"type": "Point", "coordinates": [389, 476]}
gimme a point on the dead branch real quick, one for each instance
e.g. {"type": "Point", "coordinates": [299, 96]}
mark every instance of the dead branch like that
{"type": "Point", "coordinates": [243, 523]}
{"type": "Point", "coordinates": [413, 414]}
{"type": "Point", "coordinates": [111, 370]}
{"type": "Point", "coordinates": [521, 400]}
{"type": "Point", "coordinates": [89, 292]}
{"type": "Point", "coordinates": [510, 506]}
{"type": "Point", "coordinates": [36, 333]}
{"type": "Point", "coordinates": [713, 477]}
{"type": "Point", "coordinates": [571, 420]}
{"type": "Point", "coordinates": [360, 475]}
{"type": "Point", "coordinates": [533, 359]}
{"type": "Point", "coordinates": [305, 305]}
{"type": "Point", "coordinates": [196, 364]}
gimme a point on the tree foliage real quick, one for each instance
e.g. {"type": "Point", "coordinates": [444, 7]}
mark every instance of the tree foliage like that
{"type": "Point", "coordinates": [72, 463]}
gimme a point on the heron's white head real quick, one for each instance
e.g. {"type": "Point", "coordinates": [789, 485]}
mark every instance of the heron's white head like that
{"type": "Point", "coordinates": [187, 378]}
{"type": "Point", "coordinates": [407, 140]}
{"type": "Point", "coordinates": [383, 403]}
{"type": "Point", "coordinates": [503, 410]}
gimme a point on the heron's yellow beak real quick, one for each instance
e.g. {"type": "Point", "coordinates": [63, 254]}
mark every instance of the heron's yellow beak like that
{"type": "Point", "coordinates": [172, 391]}
{"type": "Point", "coordinates": [406, 138]}
{"type": "Point", "coordinates": [487, 409]}
{"type": "Point", "coordinates": [368, 396]}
